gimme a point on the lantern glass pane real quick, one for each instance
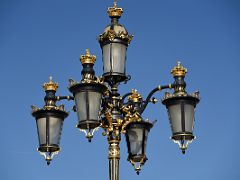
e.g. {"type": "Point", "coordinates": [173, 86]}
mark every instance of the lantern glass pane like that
{"type": "Point", "coordinates": [94, 104]}
{"type": "Point", "coordinates": [114, 57]}
{"type": "Point", "coordinates": [55, 129]}
{"type": "Point", "coordinates": [135, 139]}
{"type": "Point", "coordinates": [189, 117]}
{"type": "Point", "coordinates": [145, 140]}
{"type": "Point", "coordinates": [80, 100]}
{"type": "Point", "coordinates": [88, 105]}
{"type": "Point", "coordinates": [41, 125]}
{"type": "Point", "coordinates": [174, 112]}
{"type": "Point", "coordinates": [106, 58]}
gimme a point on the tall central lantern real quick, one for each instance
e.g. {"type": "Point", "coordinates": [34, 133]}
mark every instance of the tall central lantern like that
{"type": "Point", "coordinates": [114, 42]}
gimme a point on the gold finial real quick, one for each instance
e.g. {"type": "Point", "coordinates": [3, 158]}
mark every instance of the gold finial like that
{"type": "Point", "coordinates": [115, 3]}
{"type": "Point", "coordinates": [178, 70]}
{"type": "Point", "coordinates": [87, 58]}
{"type": "Point", "coordinates": [115, 11]}
{"type": "Point", "coordinates": [50, 86]}
{"type": "Point", "coordinates": [135, 96]}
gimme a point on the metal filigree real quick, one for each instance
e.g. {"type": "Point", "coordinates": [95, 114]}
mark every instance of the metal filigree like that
{"type": "Point", "coordinates": [138, 166]}
{"type": "Point", "coordinates": [111, 34]}
{"type": "Point", "coordinates": [114, 150]}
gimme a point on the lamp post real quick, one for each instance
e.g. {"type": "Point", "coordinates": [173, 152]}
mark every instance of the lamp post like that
{"type": "Point", "coordinates": [99, 104]}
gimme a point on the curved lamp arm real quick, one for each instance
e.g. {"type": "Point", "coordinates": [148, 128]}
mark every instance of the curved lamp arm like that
{"type": "Point", "coordinates": [159, 88]}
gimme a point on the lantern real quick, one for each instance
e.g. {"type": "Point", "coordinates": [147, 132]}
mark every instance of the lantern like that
{"type": "Point", "coordinates": [114, 42]}
{"type": "Point", "coordinates": [136, 138]}
{"type": "Point", "coordinates": [88, 96]}
{"type": "Point", "coordinates": [181, 109]}
{"type": "Point", "coordinates": [49, 122]}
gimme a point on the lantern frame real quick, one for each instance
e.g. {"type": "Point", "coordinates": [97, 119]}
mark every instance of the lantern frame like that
{"type": "Point", "coordinates": [86, 87]}
{"type": "Point", "coordinates": [138, 158]}
{"type": "Point", "coordinates": [44, 113]}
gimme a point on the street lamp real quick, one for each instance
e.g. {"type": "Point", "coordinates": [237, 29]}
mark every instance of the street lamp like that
{"type": "Point", "coordinates": [99, 104]}
{"type": "Point", "coordinates": [49, 120]}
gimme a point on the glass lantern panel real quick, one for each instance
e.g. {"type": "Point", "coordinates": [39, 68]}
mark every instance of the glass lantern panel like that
{"type": "Point", "coordinates": [106, 58]}
{"type": "Point", "coordinates": [189, 117]}
{"type": "Point", "coordinates": [88, 105]}
{"type": "Point", "coordinates": [114, 57]}
{"type": "Point", "coordinates": [118, 57]}
{"type": "Point", "coordinates": [175, 117]}
{"type": "Point", "coordinates": [80, 100]}
{"type": "Point", "coordinates": [145, 141]}
{"type": "Point", "coordinates": [135, 139]}
{"type": "Point", "coordinates": [55, 129]}
{"type": "Point", "coordinates": [94, 104]}
{"type": "Point", "coordinates": [41, 126]}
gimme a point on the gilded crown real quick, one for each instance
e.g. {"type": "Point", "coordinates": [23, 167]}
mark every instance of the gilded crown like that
{"type": "Point", "coordinates": [115, 11]}
{"type": "Point", "coordinates": [135, 96]}
{"type": "Point", "coordinates": [87, 58]}
{"type": "Point", "coordinates": [178, 70]}
{"type": "Point", "coordinates": [50, 86]}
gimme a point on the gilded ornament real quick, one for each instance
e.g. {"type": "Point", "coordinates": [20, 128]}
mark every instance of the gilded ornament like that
{"type": "Point", "coordinates": [50, 86]}
{"type": "Point", "coordinates": [135, 96]}
{"type": "Point", "coordinates": [114, 150]}
{"type": "Point", "coordinates": [115, 11]}
{"type": "Point", "coordinates": [178, 70]}
{"type": "Point", "coordinates": [87, 58]}
{"type": "Point", "coordinates": [112, 34]}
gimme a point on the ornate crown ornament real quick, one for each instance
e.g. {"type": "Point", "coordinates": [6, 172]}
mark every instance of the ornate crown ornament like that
{"type": "Point", "coordinates": [111, 34]}
{"type": "Point", "coordinates": [50, 86]}
{"type": "Point", "coordinates": [178, 70]}
{"type": "Point", "coordinates": [135, 96]}
{"type": "Point", "coordinates": [115, 11]}
{"type": "Point", "coordinates": [87, 58]}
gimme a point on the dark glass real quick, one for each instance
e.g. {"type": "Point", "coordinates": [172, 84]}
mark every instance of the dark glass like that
{"type": "Point", "coordinates": [136, 137]}
{"type": "Point", "coordinates": [88, 107]}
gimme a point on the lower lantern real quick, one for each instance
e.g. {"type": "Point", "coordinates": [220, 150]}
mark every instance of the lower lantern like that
{"type": "Point", "coordinates": [136, 137]}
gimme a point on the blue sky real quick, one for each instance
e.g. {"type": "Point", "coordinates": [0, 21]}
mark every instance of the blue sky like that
{"type": "Point", "coordinates": [43, 38]}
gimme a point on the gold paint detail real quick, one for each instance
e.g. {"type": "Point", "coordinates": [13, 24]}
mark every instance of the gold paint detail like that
{"type": "Point", "coordinates": [49, 107]}
{"type": "Point", "coordinates": [140, 164]}
{"type": "Point", "coordinates": [88, 58]}
{"type": "Point", "coordinates": [115, 11]}
{"type": "Point", "coordinates": [178, 70]}
{"type": "Point", "coordinates": [50, 86]}
{"type": "Point", "coordinates": [129, 118]}
{"type": "Point", "coordinates": [168, 95]}
{"type": "Point", "coordinates": [135, 96]}
{"type": "Point", "coordinates": [111, 34]}
{"type": "Point", "coordinates": [89, 78]}
{"type": "Point", "coordinates": [114, 150]}
{"type": "Point", "coordinates": [109, 119]}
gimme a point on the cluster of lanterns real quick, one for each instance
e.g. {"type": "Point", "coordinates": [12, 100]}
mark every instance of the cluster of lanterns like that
{"type": "Point", "coordinates": [98, 103]}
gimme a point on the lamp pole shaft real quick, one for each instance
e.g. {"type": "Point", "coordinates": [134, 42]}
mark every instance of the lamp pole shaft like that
{"type": "Point", "coordinates": [114, 139]}
{"type": "Point", "coordinates": [114, 169]}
